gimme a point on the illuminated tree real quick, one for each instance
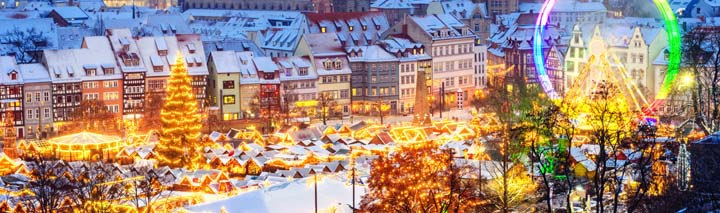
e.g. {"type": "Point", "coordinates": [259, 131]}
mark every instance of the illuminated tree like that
{"type": "Point", "coordinates": [418, 178]}
{"type": "Point", "coordinates": [181, 123]}
{"type": "Point", "coordinates": [95, 188]}
{"type": "Point", "coordinates": [382, 109]}
{"type": "Point", "coordinates": [47, 187]}
{"type": "Point", "coordinates": [145, 188]}
{"type": "Point", "coordinates": [513, 189]}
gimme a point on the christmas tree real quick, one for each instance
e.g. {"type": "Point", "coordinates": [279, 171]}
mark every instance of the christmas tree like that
{"type": "Point", "coordinates": [180, 133]}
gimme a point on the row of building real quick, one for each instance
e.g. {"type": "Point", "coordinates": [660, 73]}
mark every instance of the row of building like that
{"type": "Point", "coordinates": [118, 69]}
{"type": "Point", "coordinates": [356, 60]}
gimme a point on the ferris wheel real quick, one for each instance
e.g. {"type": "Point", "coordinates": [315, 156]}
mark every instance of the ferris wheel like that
{"type": "Point", "coordinates": [604, 69]}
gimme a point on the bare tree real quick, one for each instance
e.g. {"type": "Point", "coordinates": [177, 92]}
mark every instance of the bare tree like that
{"type": "Point", "coordinates": [151, 112]}
{"type": "Point", "coordinates": [327, 106]}
{"type": "Point", "coordinates": [267, 109]}
{"type": "Point", "coordinates": [510, 99]}
{"type": "Point", "coordinates": [27, 43]}
{"type": "Point", "coordinates": [145, 188]}
{"type": "Point", "coordinates": [48, 187]}
{"type": "Point", "coordinates": [93, 115]}
{"type": "Point", "coordinates": [701, 56]}
{"type": "Point", "coordinates": [95, 188]}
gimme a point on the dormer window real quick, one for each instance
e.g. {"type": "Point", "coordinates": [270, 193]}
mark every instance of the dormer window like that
{"type": "Point", "coordinates": [108, 69]}
{"type": "Point", "coordinates": [303, 71]}
{"type": "Point", "coordinates": [57, 72]}
{"type": "Point", "coordinates": [422, 50]}
{"type": "Point", "coordinates": [191, 48]}
{"type": "Point", "coordinates": [161, 46]}
{"type": "Point", "coordinates": [338, 64]}
{"type": "Point", "coordinates": [70, 71]}
{"type": "Point", "coordinates": [90, 69]}
{"type": "Point", "coordinates": [157, 63]}
{"type": "Point", "coordinates": [198, 61]}
{"type": "Point", "coordinates": [189, 62]}
{"type": "Point", "coordinates": [350, 28]}
{"type": "Point", "coordinates": [415, 51]}
{"type": "Point", "coordinates": [13, 75]}
{"type": "Point", "coordinates": [323, 29]}
{"type": "Point", "coordinates": [125, 44]}
{"type": "Point", "coordinates": [327, 64]}
{"type": "Point", "coordinates": [364, 27]}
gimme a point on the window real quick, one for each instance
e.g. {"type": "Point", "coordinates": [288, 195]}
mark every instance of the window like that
{"type": "Point", "coordinates": [228, 84]}
{"type": "Point", "coordinates": [323, 29]}
{"type": "Point", "coordinates": [28, 97]}
{"type": "Point", "coordinates": [230, 116]}
{"type": "Point", "coordinates": [344, 93]}
{"type": "Point", "coordinates": [113, 108]}
{"type": "Point", "coordinates": [47, 113]}
{"type": "Point", "coordinates": [228, 99]}
{"type": "Point", "coordinates": [338, 64]}
{"type": "Point", "coordinates": [109, 96]}
{"type": "Point", "coordinates": [303, 71]}
{"type": "Point", "coordinates": [91, 85]}
{"type": "Point", "coordinates": [109, 71]}
{"type": "Point", "coordinates": [29, 114]}
{"type": "Point", "coordinates": [46, 96]}
{"type": "Point", "coordinates": [91, 96]}
{"type": "Point", "coordinates": [110, 84]}
{"type": "Point", "coordinates": [327, 64]}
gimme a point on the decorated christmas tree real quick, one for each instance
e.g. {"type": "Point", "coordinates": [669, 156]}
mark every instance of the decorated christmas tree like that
{"type": "Point", "coordinates": [180, 133]}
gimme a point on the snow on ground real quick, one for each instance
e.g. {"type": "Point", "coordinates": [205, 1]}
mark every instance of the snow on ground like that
{"type": "Point", "coordinates": [295, 196]}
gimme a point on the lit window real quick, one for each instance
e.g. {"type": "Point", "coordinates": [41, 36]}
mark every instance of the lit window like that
{"type": "Point", "coordinates": [323, 29]}
{"type": "Point", "coordinates": [229, 99]}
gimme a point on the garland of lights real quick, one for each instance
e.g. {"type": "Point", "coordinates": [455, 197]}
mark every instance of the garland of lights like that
{"type": "Point", "coordinates": [180, 133]}
{"type": "Point", "coordinates": [674, 40]}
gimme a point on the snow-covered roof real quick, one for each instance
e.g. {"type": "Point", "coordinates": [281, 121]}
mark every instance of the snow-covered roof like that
{"type": "Point", "coordinates": [169, 46]}
{"type": "Point", "coordinates": [235, 24]}
{"type": "Point", "coordinates": [8, 67]}
{"type": "Point", "coordinates": [232, 45]}
{"type": "Point", "coordinates": [465, 9]}
{"type": "Point", "coordinates": [433, 24]}
{"type": "Point", "coordinates": [166, 24]}
{"type": "Point", "coordinates": [34, 73]}
{"type": "Point", "coordinates": [358, 28]}
{"type": "Point", "coordinates": [71, 14]}
{"type": "Point", "coordinates": [324, 44]}
{"type": "Point", "coordinates": [392, 4]}
{"type": "Point", "coordinates": [334, 192]}
{"type": "Point", "coordinates": [265, 64]}
{"type": "Point", "coordinates": [372, 53]}
{"type": "Point", "coordinates": [69, 65]}
{"type": "Point", "coordinates": [19, 14]}
{"type": "Point", "coordinates": [566, 6]}
{"type": "Point", "coordinates": [44, 26]}
{"type": "Point", "coordinates": [405, 45]}
{"type": "Point", "coordinates": [291, 69]}
{"type": "Point", "coordinates": [281, 39]}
